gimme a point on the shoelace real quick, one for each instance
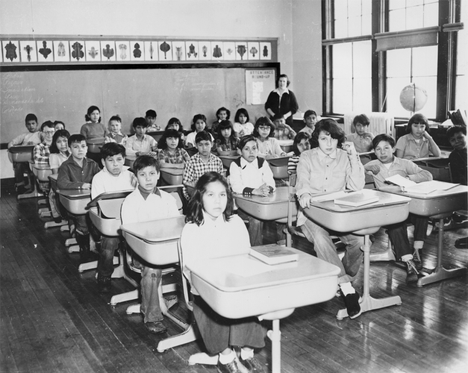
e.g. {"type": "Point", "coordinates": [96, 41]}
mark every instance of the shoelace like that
{"type": "Point", "coordinates": [410, 264]}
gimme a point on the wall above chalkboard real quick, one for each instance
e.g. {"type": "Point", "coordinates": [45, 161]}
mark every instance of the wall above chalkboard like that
{"type": "Point", "coordinates": [81, 50]}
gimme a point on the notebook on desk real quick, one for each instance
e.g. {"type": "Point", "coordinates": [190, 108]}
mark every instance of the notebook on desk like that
{"type": "Point", "coordinates": [356, 199]}
{"type": "Point", "coordinates": [273, 254]}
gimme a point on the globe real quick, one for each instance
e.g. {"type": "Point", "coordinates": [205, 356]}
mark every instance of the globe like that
{"type": "Point", "coordinates": [413, 98]}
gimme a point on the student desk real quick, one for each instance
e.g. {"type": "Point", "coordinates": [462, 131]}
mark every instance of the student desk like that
{"type": "Point", "coordinates": [155, 134]}
{"type": "Point", "coordinates": [23, 153]}
{"type": "Point", "coordinates": [228, 159]}
{"type": "Point", "coordinates": [438, 205]}
{"type": "Point", "coordinates": [286, 145]}
{"type": "Point", "coordinates": [42, 172]}
{"type": "Point", "coordinates": [156, 243]}
{"type": "Point", "coordinates": [129, 160]}
{"type": "Point", "coordinates": [363, 220]}
{"type": "Point", "coordinates": [279, 167]}
{"type": "Point", "coordinates": [172, 176]}
{"type": "Point", "coordinates": [269, 292]}
{"type": "Point", "coordinates": [271, 207]}
{"type": "Point", "coordinates": [94, 145]}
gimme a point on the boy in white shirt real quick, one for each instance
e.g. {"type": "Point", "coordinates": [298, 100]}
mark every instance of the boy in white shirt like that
{"type": "Point", "coordinates": [113, 177]}
{"type": "Point", "coordinates": [147, 203]}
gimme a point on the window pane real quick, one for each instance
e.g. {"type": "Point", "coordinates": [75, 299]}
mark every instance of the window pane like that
{"type": "Point", "coordinates": [414, 17]}
{"type": "Point", "coordinates": [425, 61]}
{"type": "Point", "coordinates": [410, 3]}
{"type": "Point", "coordinates": [342, 67]}
{"type": "Point", "coordinates": [461, 99]}
{"type": "Point", "coordinates": [366, 24]}
{"type": "Point", "coordinates": [354, 26]}
{"type": "Point", "coordinates": [362, 59]}
{"type": "Point", "coordinates": [342, 96]}
{"type": "Point", "coordinates": [396, 4]}
{"type": "Point", "coordinates": [354, 8]}
{"type": "Point", "coordinates": [431, 15]}
{"type": "Point", "coordinates": [397, 20]}
{"type": "Point", "coordinates": [398, 63]}
{"type": "Point", "coordinates": [362, 95]}
{"type": "Point", "coordinates": [461, 84]}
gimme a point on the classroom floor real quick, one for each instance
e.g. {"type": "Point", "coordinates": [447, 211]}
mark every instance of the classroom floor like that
{"type": "Point", "coordinates": [52, 319]}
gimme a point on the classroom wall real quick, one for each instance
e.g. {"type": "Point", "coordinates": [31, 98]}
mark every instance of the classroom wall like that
{"type": "Point", "coordinates": [294, 22]}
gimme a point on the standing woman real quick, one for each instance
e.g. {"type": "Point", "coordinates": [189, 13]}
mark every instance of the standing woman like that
{"type": "Point", "coordinates": [282, 101]}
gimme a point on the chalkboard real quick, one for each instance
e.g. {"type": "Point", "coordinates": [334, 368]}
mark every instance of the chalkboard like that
{"type": "Point", "coordinates": [66, 94]}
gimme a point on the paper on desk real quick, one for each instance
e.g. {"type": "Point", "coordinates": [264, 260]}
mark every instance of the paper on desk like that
{"type": "Point", "coordinates": [247, 268]}
{"type": "Point", "coordinates": [330, 196]}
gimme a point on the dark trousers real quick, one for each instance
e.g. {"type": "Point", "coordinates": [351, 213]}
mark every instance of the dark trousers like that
{"type": "Point", "coordinates": [219, 333]}
{"type": "Point", "coordinates": [399, 236]}
{"type": "Point", "coordinates": [106, 256]}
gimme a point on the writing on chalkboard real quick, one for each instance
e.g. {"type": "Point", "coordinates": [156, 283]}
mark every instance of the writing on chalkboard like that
{"type": "Point", "coordinates": [15, 94]}
{"type": "Point", "coordinates": [259, 83]}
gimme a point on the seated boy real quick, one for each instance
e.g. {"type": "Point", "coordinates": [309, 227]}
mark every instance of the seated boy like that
{"type": "Point", "coordinates": [113, 177]}
{"type": "Point", "coordinates": [283, 131]}
{"type": "Point", "coordinates": [32, 137]}
{"type": "Point", "coordinates": [150, 118]}
{"type": "Point", "coordinates": [387, 165]}
{"type": "Point", "coordinates": [251, 175]}
{"type": "Point", "coordinates": [326, 169]}
{"type": "Point", "coordinates": [148, 203]}
{"type": "Point", "coordinates": [201, 162]}
{"type": "Point", "coordinates": [140, 143]}
{"type": "Point", "coordinates": [42, 151]}
{"type": "Point", "coordinates": [76, 173]}
{"type": "Point", "coordinates": [361, 138]}
{"type": "Point", "coordinates": [310, 118]}
{"type": "Point", "coordinates": [114, 133]}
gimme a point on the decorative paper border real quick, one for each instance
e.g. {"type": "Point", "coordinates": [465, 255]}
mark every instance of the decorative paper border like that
{"type": "Point", "coordinates": [51, 50]}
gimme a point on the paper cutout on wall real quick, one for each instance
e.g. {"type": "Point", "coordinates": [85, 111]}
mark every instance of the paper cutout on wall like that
{"type": "Point", "coordinates": [108, 51]}
{"type": "Point", "coordinates": [151, 51]}
{"type": "Point", "coordinates": [93, 51]}
{"type": "Point", "coordinates": [178, 48]}
{"type": "Point", "coordinates": [218, 49]}
{"type": "Point", "coordinates": [28, 51]}
{"type": "Point", "coordinates": [241, 51]}
{"type": "Point", "coordinates": [192, 51]}
{"type": "Point", "coordinates": [77, 51]}
{"type": "Point", "coordinates": [265, 51]}
{"type": "Point", "coordinates": [61, 51]}
{"type": "Point", "coordinates": [11, 51]}
{"type": "Point", "coordinates": [254, 50]}
{"type": "Point", "coordinates": [165, 51]}
{"type": "Point", "coordinates": [123, 51]}
{"type": "Point", "coordinates": [137, 48]}
{"type": "Point", "coordinates": [205, 50]}
{"type": "Point", "coordinates": [229, 50]}
{"type": "Point", "coordinates": [45, 51]}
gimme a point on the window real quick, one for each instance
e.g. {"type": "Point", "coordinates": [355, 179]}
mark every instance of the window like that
{"type": "Point", "coordinates": [374, 48]}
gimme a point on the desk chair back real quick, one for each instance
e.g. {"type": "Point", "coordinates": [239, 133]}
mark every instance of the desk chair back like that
{"type": "Point", "coordinates": [437, 166]}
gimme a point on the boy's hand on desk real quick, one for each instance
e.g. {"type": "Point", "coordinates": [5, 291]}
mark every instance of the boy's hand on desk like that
{"type": "Point", "coordinates": [372, 168]}
{"type": "Point", "coordinates": [262, 190]}
{"type": "Point", "coordinates": [305, 201]}
{"type": "Point", "coordinates": [86, 186]}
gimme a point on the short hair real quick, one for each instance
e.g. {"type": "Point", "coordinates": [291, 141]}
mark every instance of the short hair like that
{"type": "Point", "coordinates": [169, 133]}
{"type": "Point", "coordinates": [262, 121]}
{"type": "Point", "coordinates": [112, 148]}
{"type": "Point", "coordinates": [452, 131]}
{"type": "Point", "coordinates": [308, 113]}
{"type": "Point", "coordinates": [173, 121]}
{"type": "Point", "coordinates": [383, 137]}
{"type": "Point", "coordinates": [144, 161]}
{"type": "Point", "coordinates": [115, 117]}
{"type": "Point", "coordinates": [59, 122]}
{"type": "Point", "coordinates": [203, 136]}
{"type": "Point", "coordinates": [195, 205]}
{"type": "Point", "coordinates": [328, 125]}
{"type": "Point", "coordinates": [29, 117]}
{"type": "Point", "coordinates": [47, 123]}
{"type": "Point", "coordinates": [228, 112]}
{"type": "Point", "coordinates": [224, 125]}
{"type": "Point", "coordinates": [151, 113]}
{"type": "Point", "coordinates": [297, 139]}
{"type": "Point", "coordinates": [245, 139]}
{"type": "Point", "coordinates": [239, 112]}
{"type": "Point", "coordinates": [139, 122]}
{"type": "Point", "coordinates": [76, 138]}
{"type": "Point", "coordinates": [90, 110]}
{"type": "Point", "coordinates": [361, 118]}
{"type": "Point", "coordinates": [277, 116]}
{"type": "Point", "coordinates": [60, 133]}
{"type": "Point", "coordinates": [287, 79]}
{"type": "Point", "coordinates": [417, 118]}
{"type": "Point", "coordinates": [197, 117]}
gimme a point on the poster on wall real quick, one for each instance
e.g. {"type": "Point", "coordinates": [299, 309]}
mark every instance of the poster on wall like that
{"type": "Point", "coordinates": [258, 84]}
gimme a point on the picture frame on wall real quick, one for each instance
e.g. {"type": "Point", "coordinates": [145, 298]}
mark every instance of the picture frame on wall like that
{"type": "Point", "coordinates": [61, 51]}
{"type": "Point", "coordinates": [28, 51]}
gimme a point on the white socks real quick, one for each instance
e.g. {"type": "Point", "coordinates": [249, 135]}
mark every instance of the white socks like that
{"type": "Point", "coordinates": [227, 358]}
{"type": "Point", "coordinates": [406, 257]}
{"type": "Point", "coordinates": [246, 353]}
{"type": "Point", "coordinates": [347, 288]}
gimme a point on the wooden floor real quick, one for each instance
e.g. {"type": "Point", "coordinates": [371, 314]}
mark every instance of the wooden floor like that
{"type": "Point", "coordinates": [52, 319]}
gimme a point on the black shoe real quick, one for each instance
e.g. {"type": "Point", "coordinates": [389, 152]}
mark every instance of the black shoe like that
{"type": "Point", "coordinates": [462, 243]}
{"type": "Point", "coordinates": [352, 305]}
{"type": "Point", "coordinates": [253, 365]}
{"type": "Point", "coordinates": [411, 272]}
{"type": "Point", "coordinates": [155, 327]}
{"type": "Point", "coordinates": [417, 259]}
{"type": "Point", "coordinates": [104, 285]}
{"type": "Point", "coordinates": [234, 366]}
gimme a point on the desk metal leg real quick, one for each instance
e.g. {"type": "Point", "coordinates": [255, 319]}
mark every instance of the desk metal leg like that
{"type": "Point", "coordinates": [440, 273]}
{"type": "Point", "coordinates": [367, 302]}
{"type": "Point", "coordinates": [275, 337]}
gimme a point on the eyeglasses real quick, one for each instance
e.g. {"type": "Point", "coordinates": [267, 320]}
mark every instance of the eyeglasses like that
{"type": "Point", "coordinates": [264, 127]}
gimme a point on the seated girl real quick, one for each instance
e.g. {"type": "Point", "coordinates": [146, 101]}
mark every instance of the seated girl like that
{"type": "Point", "coordinates": [250, 175]}
{"type": "Point", "coordinates": [268, 146]}
{"type": "Point", "coordinates": [301, 143]}
{"type": "Point", "coordinates": [175, 124]}
{"type": "Point", "coordinates": [242, 125]}
{"type": "Point", "coordinates": [198, 125]}
{"type": "Point", "coordinates": [171, 153]}
{"type": "Point", "coordinates": [221, 114]}
{"type": "Point", "coordinates": [226, 140]}
{"type": "Point", "coordinates": [417, 143]}
{"type": "Point", "coordinates": [213, 231]}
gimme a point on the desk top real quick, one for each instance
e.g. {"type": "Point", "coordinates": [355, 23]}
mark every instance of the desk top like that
{"type": "Point", "coordinates": [21, 149]}
{"type": "Point", "coordinates": [224, 273]}
{"type": "Point", "coordinates": [53, 177]}
{"type": "Point", "coordinates": [280, 195]}
{"type": "Point", "coordinates": [96, 141]}
{"type": "Point", "coordinates": [438, 194]}
{"type": "Point", "coordinates": [278, 162]}
{"type": "Point", "coordinates": [75, 193]}
{"type": "Point", "coordinates": [173, 171]}
{"type": "Point", "coordinates": [157, 230]}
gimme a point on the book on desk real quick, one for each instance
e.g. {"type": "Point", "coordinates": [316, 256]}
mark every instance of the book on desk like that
{"type": "Point", "coordinates": [424, 187]}
{"type": "Point", "coordinates": [273, 254]}
{"type": "Point", "coordinates": [356, 199]}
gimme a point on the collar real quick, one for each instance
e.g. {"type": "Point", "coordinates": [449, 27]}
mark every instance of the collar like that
{"type": "Point", "coordinates": [324, 156]}
{"type": "Point", "coordinates": [412, 138]}
{"type": "Point", "coordinates": [113, 135]}
{"type": "Point", "coordinates": [145, 194]}
{"type": "Point", "coordinates": [124, 168]}
{"type": "Point", "coordinates": [245, 164]}
{"type": "Point", "coordinates": [209, 221]}
{"type": "Point", "coordinates": [279, 93]}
